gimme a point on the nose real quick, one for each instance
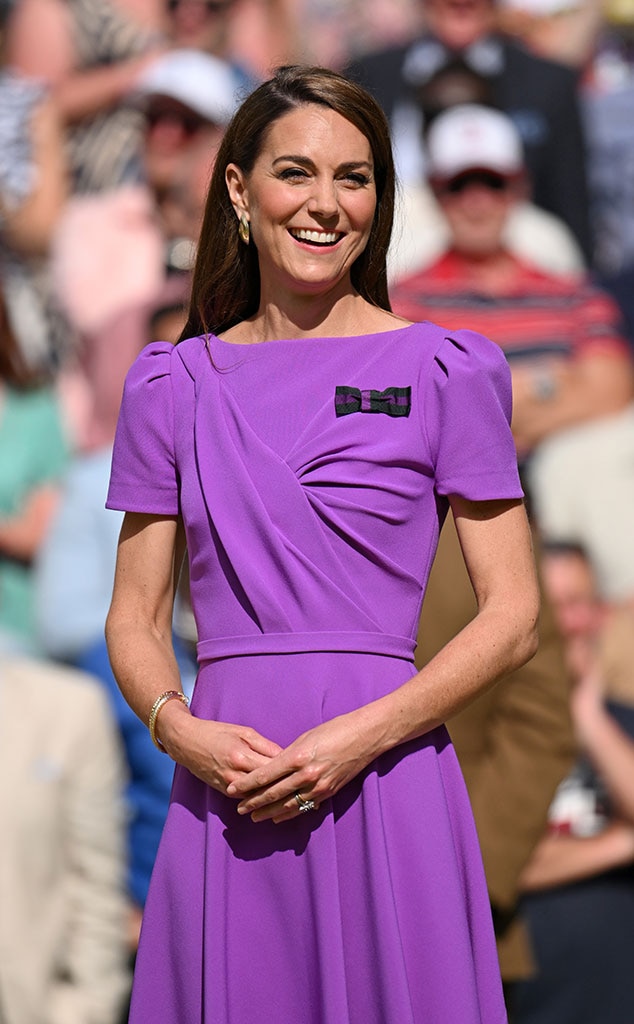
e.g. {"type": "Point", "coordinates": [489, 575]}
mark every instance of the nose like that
{"type": "Point", "coordinates": [323, 201]}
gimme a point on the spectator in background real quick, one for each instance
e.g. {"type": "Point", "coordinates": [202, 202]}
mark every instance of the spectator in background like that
{"type": "Point", "coordinates": [118, 256]}
{"type": "Point", "coordinates": [90, 52]}
{"type": "Point", "coordinates": [33, 454]}
{"type": "Point", "coordinates": [539, 95]}
{"type": "Point", "coordinates": [608, 101]}
{"type": "Point", "coordinates": [580, 880]}
{"type": "Point", "coordinates": [33, 189]}
{"type": "Point", "coordinates": [572, 371]}
{"type": "Point", "coordinates": [422, 232]}
{"type": "Point", "coordinates": [62, 925]}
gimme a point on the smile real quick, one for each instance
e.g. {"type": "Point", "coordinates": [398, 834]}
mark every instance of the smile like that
{"type": "Point", "coordinates": [316, 237]}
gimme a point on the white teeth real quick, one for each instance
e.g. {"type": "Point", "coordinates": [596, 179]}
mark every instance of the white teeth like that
{"type": "Point", "coordinates": [323, 237]}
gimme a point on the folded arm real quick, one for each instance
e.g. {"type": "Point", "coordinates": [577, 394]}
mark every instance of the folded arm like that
{"type": "Point", "coordinates": [559, 395]}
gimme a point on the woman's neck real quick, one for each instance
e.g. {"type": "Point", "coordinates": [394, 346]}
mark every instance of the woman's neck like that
{"type": "Point", "coordinates": [310, 316]}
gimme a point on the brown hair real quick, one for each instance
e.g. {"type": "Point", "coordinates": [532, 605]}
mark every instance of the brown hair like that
{"type": "Point", "coordinates": [14, 368]}
{"type": "Point", "coordinates": [226, 282]}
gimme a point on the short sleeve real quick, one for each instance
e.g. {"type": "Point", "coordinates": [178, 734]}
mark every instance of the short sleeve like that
{"type": "Point", "coordinates": [466, 416]}
{"type": "Point", "coordinates": [144, 477]}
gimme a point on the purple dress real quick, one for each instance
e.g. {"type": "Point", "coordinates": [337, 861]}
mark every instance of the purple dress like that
{"type": "Point", "coordinates": [312, 476]}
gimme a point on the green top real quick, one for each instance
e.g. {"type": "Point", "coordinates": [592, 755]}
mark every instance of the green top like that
{"type": "Point", "coordinates": [33, 451]}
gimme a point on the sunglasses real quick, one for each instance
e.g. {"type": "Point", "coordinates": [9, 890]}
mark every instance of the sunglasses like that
{"type": "Point", "coordinates": [189, 123]}
{"type": "Point", "coordinates": [486, 179]}
{"type": "Point", "coordinates": [211, 6]}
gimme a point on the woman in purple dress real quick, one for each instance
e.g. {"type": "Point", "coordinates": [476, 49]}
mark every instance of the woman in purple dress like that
{"type": "Point", "coordinates": [319, 863]}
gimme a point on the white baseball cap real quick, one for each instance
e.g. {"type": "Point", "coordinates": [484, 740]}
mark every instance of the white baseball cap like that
{"type": "Point", "coordinates": [205, 84]}
{"type": "Point", "coordinates": [472, 137]}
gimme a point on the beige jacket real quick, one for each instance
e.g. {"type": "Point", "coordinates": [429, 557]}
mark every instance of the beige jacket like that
{"type": "Point", "coordinates": [62, 871]}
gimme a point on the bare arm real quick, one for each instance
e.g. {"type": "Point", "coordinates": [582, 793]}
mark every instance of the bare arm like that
{"type": "Point", "coordinates": [139, 638]}
{"type": "Point", "coordinates": [40, 44]}
{"type": "Point", "coordinates": [561, 859]}
{"type": "Point", "coordinates": [30, 227]}
{"type": "Point", "coordinates": [22, 534]}
{"type": "Point", "coordinates": [583, 389]}
{"type": "Point", "coordinates": [495, 540]}
{"type": "Point", "coordinates": [609, 748]}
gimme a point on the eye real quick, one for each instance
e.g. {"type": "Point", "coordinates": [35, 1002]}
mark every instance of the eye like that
{"type": "Point", "coordinates": [293, 174]}
{"type": "Point", "coordinates": [357, 179]}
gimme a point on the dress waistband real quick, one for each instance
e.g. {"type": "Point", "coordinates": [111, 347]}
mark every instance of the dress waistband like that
{"type": "Point", "coordinates": [295, 643]}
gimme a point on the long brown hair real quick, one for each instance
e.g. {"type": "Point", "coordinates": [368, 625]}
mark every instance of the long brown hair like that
{"type": "Point", "coordinates": [226, 281]}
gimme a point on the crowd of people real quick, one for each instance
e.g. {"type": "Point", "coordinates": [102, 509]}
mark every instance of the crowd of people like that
{"type": "Point", "coordinates": [513, 140]}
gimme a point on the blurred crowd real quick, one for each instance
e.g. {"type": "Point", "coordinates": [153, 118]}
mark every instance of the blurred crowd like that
{"type": "Point", "coordinates": [513, 131]}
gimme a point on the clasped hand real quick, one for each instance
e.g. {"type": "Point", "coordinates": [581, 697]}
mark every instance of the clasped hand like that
{"type": "Point", "coordinates": [264, 778]}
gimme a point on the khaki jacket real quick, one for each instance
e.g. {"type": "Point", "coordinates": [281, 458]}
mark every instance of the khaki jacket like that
{"type": "Point", "coordinates": [515, 744]}
{"type": "Point", "coordinates": [62, 865]}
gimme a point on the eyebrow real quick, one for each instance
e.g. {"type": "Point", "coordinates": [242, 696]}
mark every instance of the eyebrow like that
{"type": "Point", "coordinates": [304, 161]}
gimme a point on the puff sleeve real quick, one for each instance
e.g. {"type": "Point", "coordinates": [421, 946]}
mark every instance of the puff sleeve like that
{"type": "Point", "coordinates": [466, 416]}
{"type": "Point", "coordinates": [144, 476]}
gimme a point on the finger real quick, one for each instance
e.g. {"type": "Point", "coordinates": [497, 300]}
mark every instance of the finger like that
{"type": "Point", "coordinates": [264, 777]}
{"type": "Point", "coordinates": [284, 810]}
{"type": "Point", "coordinates": [261, 745]}
{"type": "Point", "coordinates": [253, 800]}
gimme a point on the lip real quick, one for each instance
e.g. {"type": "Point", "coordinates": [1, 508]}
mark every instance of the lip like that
{"type": "Point", "coordinates": [316, 239]}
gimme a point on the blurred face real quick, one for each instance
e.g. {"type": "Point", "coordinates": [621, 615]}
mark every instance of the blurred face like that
{"type": "Point", "coordinates": [570, 585]}
{"type": "Point", "coordinates": [172, 133]}
{"type": "Point", "coordinates": [477, 205]}
{"type": "Point", "coordinates": [201, 24]}
{"type": "Point", "coordinates": [310, 201]}
{"type": "Point", "coordinates": [458, 23]}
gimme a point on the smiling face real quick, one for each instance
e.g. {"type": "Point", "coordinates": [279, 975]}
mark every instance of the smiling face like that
{"type": "Point", "coordinates": [310, 201]}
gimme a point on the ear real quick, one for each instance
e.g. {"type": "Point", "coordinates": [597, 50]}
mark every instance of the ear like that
{"type": "Point", "coordinates": [237, 189]}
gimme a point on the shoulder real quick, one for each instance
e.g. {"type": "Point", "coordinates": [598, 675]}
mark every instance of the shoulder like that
{"type": "Point", "coordinates": [373, 65]}
{"type": "Point", "coordinates": [161, 359]}
{"type": "Point", "coordinates": [380, 72]}
{"type": "Point", "coordinates": [51, 687]}
{"type": "Point", "coordinates": [457, 350]}
{"type": "Point", "coordinates": [539, 71]}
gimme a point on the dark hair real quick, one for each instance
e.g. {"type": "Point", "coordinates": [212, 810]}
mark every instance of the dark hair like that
{"type": "Point", "coordinates": [564, 548]}
{"type": "Point", "coordinates": [14, 368]}
{"type": "Point", "coordinates": [226, 282]}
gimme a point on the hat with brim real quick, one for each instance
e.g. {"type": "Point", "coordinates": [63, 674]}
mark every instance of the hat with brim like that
{"type": "Point", "coordinates": [471, 137]}
{"type": "Point", "coordinates": [197, 80]}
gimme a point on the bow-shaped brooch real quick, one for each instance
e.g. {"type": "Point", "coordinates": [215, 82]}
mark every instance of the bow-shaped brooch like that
{"type": "Point", "coordinates": [392, 401]}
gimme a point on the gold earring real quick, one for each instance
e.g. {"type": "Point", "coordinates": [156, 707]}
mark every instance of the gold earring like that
{"type": "Point", "coordinates": [244, 229]}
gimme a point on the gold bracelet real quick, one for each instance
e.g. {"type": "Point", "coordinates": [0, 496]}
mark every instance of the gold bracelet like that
{"type": "Point", "coordinates": [159, 703]}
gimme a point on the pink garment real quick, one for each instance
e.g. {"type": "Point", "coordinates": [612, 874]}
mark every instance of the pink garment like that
{"type": "Point", "coordinates": [109, 276]}
{"type": "Point", "coordinates": [107, 256]}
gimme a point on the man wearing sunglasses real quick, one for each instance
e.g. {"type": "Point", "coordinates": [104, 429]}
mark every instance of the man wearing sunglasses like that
{"type": "Point", "coordinates": [573, 380]}
{"type": "Point", "coordinates": [540, 95]}
{"type": "Point", "coordinates": [570, 371]}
